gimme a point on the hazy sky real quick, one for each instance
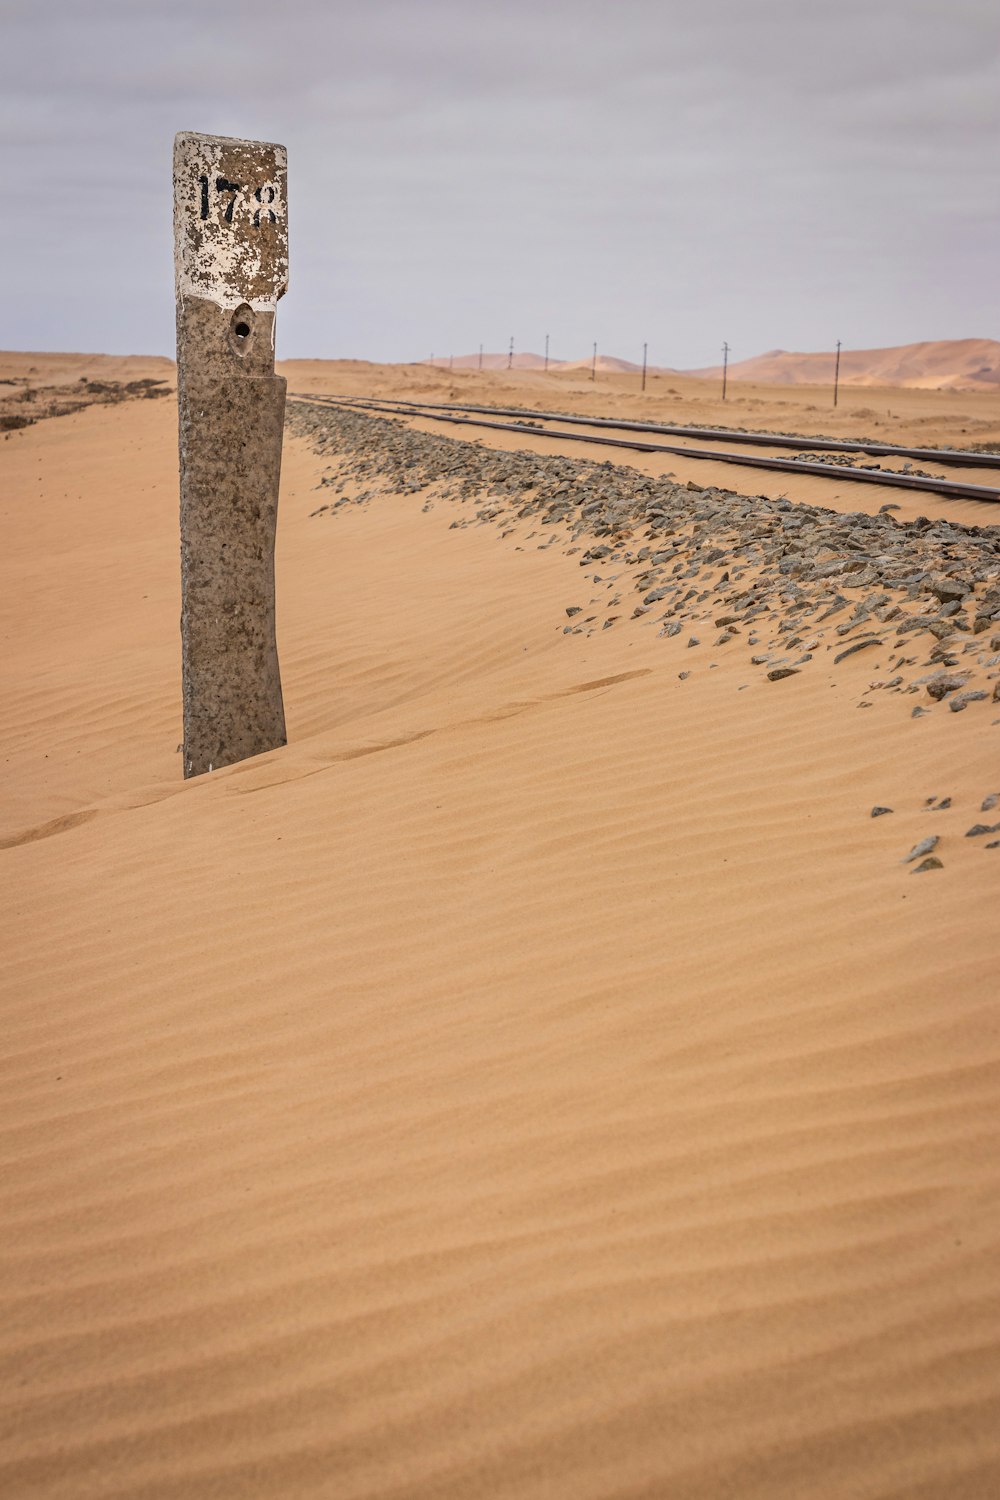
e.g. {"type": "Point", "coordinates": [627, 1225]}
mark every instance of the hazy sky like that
{"type": "Point", "coordinates": [778, 173]}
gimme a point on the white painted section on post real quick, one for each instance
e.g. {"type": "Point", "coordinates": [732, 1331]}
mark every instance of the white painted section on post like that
{"type": "Point", "coordinates": [218, 256]}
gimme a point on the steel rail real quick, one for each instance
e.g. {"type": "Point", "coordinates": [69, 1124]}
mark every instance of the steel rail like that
{"type": "Point", "coordinates": [959, 457]}
{"type": "Point", "coordinates": [949, 488]}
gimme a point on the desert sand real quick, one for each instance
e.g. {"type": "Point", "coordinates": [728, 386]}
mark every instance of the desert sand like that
{"type": "Point", "coordinates": [543, 1078]}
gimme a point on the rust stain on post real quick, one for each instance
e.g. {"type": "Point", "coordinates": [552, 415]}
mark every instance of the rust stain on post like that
{"type": "Point", "coordinates": [231, 264]}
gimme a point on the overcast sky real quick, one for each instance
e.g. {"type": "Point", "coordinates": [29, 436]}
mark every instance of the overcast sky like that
{"type": "Point", "coordinates": [778, 173]}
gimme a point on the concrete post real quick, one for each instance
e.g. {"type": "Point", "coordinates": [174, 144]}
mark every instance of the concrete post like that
{"type": "Point", "coordinates": [231, 264]}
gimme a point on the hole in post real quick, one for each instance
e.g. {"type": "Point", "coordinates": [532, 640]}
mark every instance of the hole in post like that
{"type": "Point", "coordinates": [241, 328]}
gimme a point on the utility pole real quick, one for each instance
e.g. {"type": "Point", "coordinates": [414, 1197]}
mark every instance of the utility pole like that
{"type": "Point", "coordinates": [480, 356]}
{"type": "Point", "coordinates": [510, 353]}
{"type": "Point", "coordinates": [836, 374]}
{"type": "Point", "coordinates": [725, 368]}
{"type": "Point", "coordinates": [644, 348]}
{"type": "Point", "coordinates": [546, 354]}
{"type": "Point", "coordinates": [593, 365]}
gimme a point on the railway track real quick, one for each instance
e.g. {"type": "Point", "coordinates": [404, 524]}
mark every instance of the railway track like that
{"type": "Point", "coordinates": [484, 416]}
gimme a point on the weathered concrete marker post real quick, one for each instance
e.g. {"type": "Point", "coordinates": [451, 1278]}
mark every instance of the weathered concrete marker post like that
{"type": "Point", "coordinates": [231, 262]}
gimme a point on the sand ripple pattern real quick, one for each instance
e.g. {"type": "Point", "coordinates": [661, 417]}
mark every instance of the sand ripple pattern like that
{"type": "Point", "coordinates": [547, 1083]}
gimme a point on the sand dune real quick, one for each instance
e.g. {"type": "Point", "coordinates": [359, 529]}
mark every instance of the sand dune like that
{"type": "Point", "coordinates": [948, 364]}
{"type": "Point", "coordinates": [606, 364]}
{"type": "Point", "coordinates": [526, 361]}
{"type": "Point", "coordinates": [517, 361]}
{"type": "Point", "coordinates": [540, 1079]}
{"type": "Point", "coordinates": [56, 369]}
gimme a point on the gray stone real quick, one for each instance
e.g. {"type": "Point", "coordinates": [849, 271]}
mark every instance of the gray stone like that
{"type": "Point", "coordinates": [857, 646]}
{"type": "Point", "coordinates": [962, 700]}
{"type": "Point", "coordinates": [990, 802]}
{"type": "Point", "coordinates": [947, 589]}
{"type": "Point", "coordinates": [942, 684]}
{"type": "Point", "coordinates": [925, 846]}
{"type": "Point", "coordinates": [931, 863]}
{"type": "Point", "coordinates": [978, 829]}
{"type": "Point", "coordinates": [880, 812]}
{"type": "Point", "coordinates": [231, 261]}
{"type": "Point", "coordinates": [777, 673]}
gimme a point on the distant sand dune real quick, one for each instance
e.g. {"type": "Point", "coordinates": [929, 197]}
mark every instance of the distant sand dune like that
{"type": "Point", "coordinates": [528, 361]}
{"type": "Point", "coordinates": [948, 364]}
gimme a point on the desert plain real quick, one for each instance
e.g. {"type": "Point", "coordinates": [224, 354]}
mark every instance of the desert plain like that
{"type": "Point", "coordinates": [544, 1077]}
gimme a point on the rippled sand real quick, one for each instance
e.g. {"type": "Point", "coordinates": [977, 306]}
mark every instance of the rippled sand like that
{"type": "Point", "coordinates": [541, 1079]}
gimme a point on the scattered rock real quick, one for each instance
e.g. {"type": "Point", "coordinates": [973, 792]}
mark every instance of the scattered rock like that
{"type": "Point", "coordinates": [962, 700]}
{"type": "Point", "coordinates": [931, 863]}
{"type": "Point", "coordinates": [978, 829]}
{"type": "Point", "coordinates": [857, 646]}
{"type": "Point", "coordinates": [990, 802]}
{"type": "Point", "coordinates": [743, 562]}
{"type": "Point", "coordinates": [880, 812]}
{"type": "Point", "coordinates": [947, 589]}
{"type": "Point", "coordinates": [924, 847]}
{"type": "Point", "coordinates": [942, 684]}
